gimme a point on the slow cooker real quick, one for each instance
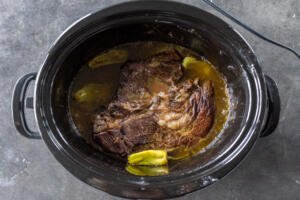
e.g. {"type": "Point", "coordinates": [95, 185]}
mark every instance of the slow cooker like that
{"type": "Point", "coordinates": [254, 97]}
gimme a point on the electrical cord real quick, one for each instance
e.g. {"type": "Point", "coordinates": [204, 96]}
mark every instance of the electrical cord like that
{"type": "Point", "coordinates": [223, 12]}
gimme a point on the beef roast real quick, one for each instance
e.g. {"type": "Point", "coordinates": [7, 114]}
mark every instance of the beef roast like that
{"type": "Point", "coordinates": [154, 108]}
{"type": "Point", "coordinates": [133, 131]}
{"type": "Point", "coordinates": [140, 80]}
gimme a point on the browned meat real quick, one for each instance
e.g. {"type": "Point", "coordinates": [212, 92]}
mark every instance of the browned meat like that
{"type": "Point", "coordinates": [114, 141]}
{"type": "Point", "coordinates": [140, 80]}
{"type": "Point", "coordinates": [154, 109]}
{"type": "Point", "coordinates": [184, 114]}
{"type": "Point", "coordinates": [136, 130]}
{"type": "Point", "coordinates": [139, 129]}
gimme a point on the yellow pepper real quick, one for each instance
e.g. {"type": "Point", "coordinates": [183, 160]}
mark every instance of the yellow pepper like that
{"type": "Point", "coordinates": [187, 61]}
{"type": "Point", "coordinates": [147, 170]}
{"type": "Point", "coordinates": [114, 56]}
{"type": "Point", "coordinates": [198, 68]}
{"type": "Point", "coordinates": [149, 157]}
{"type": "Point", "coordinates": [94, 93]}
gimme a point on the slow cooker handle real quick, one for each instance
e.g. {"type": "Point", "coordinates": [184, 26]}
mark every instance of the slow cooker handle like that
{"type": "Point", "coordinates": [274, 107]}
{"type": "Point", "coordinates": [20, 103]}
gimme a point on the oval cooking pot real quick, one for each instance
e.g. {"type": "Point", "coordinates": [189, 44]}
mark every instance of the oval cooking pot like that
{"type": "Point", "coordinates": [254, 97]}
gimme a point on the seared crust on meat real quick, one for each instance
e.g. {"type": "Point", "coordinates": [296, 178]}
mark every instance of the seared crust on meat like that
{"type": "Point", "coordinates": [155, 109]}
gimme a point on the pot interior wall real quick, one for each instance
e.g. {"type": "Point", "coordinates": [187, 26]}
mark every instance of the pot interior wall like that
{"type": "Point", "coordinates": [219, 49]}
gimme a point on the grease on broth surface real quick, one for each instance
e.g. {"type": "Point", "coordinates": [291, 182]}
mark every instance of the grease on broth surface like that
{"type": "Point", "coordinates": [107, 76]}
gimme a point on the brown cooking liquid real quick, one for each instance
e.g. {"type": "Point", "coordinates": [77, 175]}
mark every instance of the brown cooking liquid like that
{"type": "Point", "coordinates": [82, 113]}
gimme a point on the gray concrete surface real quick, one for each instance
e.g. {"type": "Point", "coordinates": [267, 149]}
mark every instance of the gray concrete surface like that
{"type": "Point", "coordinates": [29, 171]}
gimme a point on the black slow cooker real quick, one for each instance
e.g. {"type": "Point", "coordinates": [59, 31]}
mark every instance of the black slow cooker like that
{"type": "Point", "coordinates": [254, 97]}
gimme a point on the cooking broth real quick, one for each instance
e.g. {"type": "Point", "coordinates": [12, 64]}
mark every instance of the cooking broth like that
{"type": "Point", "coordinates": [107, 77]}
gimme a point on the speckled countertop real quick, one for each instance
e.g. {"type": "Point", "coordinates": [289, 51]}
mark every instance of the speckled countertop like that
{"type": "Point", "coordinates": [271, 171]}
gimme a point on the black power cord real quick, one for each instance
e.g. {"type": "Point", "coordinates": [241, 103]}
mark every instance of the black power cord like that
{"type": "Point", "coordinates": [220, 10]}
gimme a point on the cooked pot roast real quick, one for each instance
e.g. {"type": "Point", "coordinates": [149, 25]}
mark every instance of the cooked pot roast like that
{"type": "Point", "coordinates": [155, 107]}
